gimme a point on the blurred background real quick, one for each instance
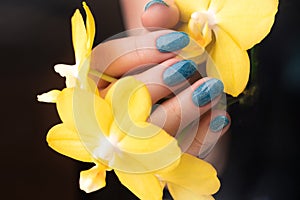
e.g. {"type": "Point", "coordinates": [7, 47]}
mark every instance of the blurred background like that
{"type": "Point", "coordinates": [35, 35]}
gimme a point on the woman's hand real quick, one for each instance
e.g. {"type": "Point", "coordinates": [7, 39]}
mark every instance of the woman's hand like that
{"type": "Point", "coordinates": [184, 102]}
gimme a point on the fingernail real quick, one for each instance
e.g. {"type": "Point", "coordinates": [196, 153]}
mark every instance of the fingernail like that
{"type": "Point", "coordinates": [207, 91]}
{"type": "Point", "coordinates": [150, 3]}
{"type": "Point", "coordinates": [179, 72]}
{"type": "Point", "coordinates": [218, 123]}
{"type": "Point", "coordinates": [172, 42]}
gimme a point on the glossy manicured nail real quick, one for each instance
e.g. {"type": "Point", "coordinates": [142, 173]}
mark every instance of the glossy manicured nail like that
{"type": "Point", "coordinates": [172, 42]}
{"type": "Point", "coordinates": [179, 72]}
{"type": "Point", "coordinates": [218, 123]}
{"type": "Point", "coordinates": [207, 91]}
{"type": "Point", "coordinates": [150, 3]}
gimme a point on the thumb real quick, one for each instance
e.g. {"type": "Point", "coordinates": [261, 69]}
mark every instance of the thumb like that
{"type": "Point", "coordinates": [158, 13]}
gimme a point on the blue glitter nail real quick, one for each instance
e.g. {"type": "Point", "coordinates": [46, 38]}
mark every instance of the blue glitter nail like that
{"type": "Point", "coordinates": [208, 91]}
{"type": "Point", "coordinates": [172, 42]}
{"type": "Point", "coordinates": [179, 72]}
{"type": "Point", "coordinates": [150, 3]}
{"type": "Point", "coordinates": [218, 123]}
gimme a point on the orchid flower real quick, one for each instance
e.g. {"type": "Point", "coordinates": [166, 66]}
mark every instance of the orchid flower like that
{"type": "Point", "coordinates": [227, 29]}
{"type": "Point", "coordinates": [113, 132]}
{"type": "Point", "coordinates": [83, 38]}
{"type": "Point", "coordinates": [143, 156]}
{"type": "Point", "coordinates": [82, 43]}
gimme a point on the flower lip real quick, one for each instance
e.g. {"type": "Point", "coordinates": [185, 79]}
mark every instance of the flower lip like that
{"type": "Point", "coordinates": [200, 26]}
{"type": "Point", "coordinates": [105, 150]}
{"type": "Point", "coordinates": [203, 17]}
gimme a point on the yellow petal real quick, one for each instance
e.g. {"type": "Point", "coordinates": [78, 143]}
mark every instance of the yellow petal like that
{"type": "Point", "coordinates": [83, 70]}
{"type": "Point", "coordinates": [49, 97]}
{"type": "Point", "coordinates": [130, 100]}
{"type": "Point", "coordinates": [68, 71]}
{"type": "Point", "coordinates": [64, 106]}
{"type": "Point", "coordinates": [90, 26]}
{"type": "Point", "coordinates": [247, 21]}
{"type": "Point", "coordinates": [93, 179]}
{"type": "Point", "coordinates": [67, 142]}
{"type": "Point", "coordinates": [145, 138]}
{"type": "Point", "coordinates": [93, 119]}
{"type": "Point", "coordinates": [84, 63]}
{"type": "Point", "coordinates": [179, 193]}
{"type": "Point", "coordinates": [192, 177]}
{"type": "Point", "coordinates": [216, 5]}
{"type": "Point", "coordinates": [84, 110]}
{"type": "Point", "coordinates": [79, 36]}
{"type": "Point", "coordinates": [143, 155]}
{"type": "Point", "coordinates": [229, 63]}
{"type": "Point", "coordinates": [88, 114]}
{"type": "Point", "coordinates": [144, 186]}
{"type": "Point", "coordinates": [187, 7]}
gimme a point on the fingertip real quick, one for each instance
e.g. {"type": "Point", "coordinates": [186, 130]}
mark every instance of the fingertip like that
{"type": "Point", "coordinates": [220, 122]}
{"type": "Point", "coordinates": [160, 15]}
{"type": "Point", "coordinates": [211, 128]}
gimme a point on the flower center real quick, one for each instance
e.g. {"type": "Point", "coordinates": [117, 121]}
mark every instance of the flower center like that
{"type": "Point", "coordinates": [106, 150]}
{"type": "Point", "coordinates": [201, 25]}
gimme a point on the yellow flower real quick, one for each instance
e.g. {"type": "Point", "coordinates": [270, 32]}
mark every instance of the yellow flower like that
{"type": "Point", "coordinates": [101, 131]}
{"type": "Point", "coordinates": [226, 29]}
{"type": "Point", "coordinates": [114, 133]}
{"type": "Point", "coordinates": [83, 39]}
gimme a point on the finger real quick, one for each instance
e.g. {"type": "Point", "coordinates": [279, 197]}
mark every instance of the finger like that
{"type": "Point", "coordinates": [206, 133]}
{"type": "Point", "coordinates": [176, 113]}
{"type": "Point", "coordinates": [159, 13]}
{"type": "Point", "coordinates": [119, 56]}
{"type": "Point", "coordinates": [168, 77]}
{"type": "Point", "coordinates": [132, 11]}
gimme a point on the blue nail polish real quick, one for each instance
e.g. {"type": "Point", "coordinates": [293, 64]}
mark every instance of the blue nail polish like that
{"type": "Point", "coordinates": [206, 92]}
{"type": "Point", "coordinates": [172, 42]}
{"type": "Point", "coordinates": [179, 72]}
{"type": "Point", "coordinates": [218, 123]}
{"type": "Point", "coordinates": [150, 3]}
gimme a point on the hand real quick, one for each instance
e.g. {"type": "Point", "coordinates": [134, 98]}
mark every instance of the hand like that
{"type": "Point", "coordinates": [152, 58]}
{"type": "Point", "coordinates": [157, 14]}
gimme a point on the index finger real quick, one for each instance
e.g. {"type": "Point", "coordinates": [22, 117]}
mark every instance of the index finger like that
{"type": "Point", "coordinates": [119, 56]}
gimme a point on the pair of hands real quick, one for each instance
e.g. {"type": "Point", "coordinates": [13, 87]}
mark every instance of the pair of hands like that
{"type": "Point", "coordinates": [185, 103]}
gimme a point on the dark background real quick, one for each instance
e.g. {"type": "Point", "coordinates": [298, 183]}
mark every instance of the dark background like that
{"type": "Point", "coordinates": [35, 35]}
